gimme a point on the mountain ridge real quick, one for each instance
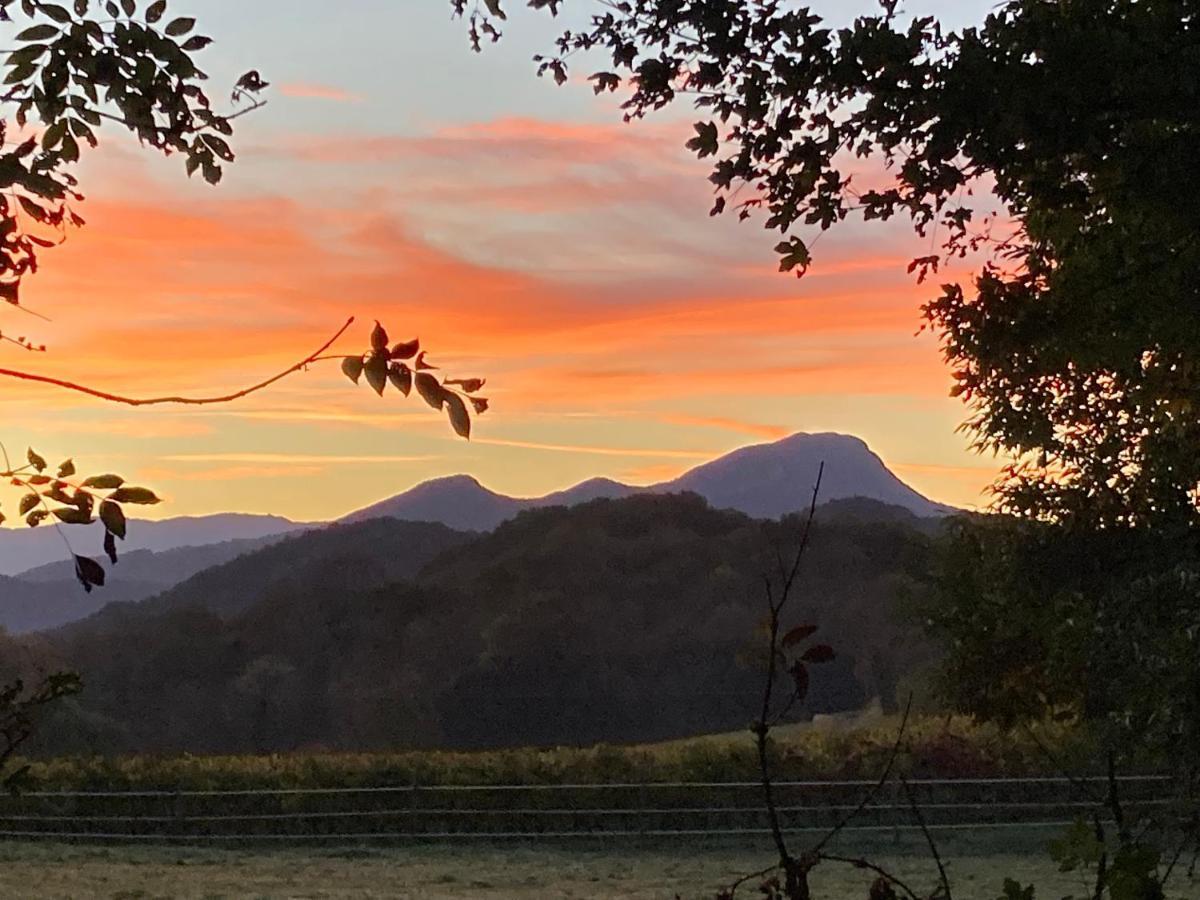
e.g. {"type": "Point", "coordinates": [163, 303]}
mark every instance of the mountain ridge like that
{"type": "Point", "coordinates": [760, 480]}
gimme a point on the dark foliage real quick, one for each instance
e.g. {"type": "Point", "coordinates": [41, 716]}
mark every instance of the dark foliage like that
{"type": "Point", "coordinates": [612, 621]}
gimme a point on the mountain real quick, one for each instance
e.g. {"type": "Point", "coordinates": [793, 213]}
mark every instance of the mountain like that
{"type": "Point", "coordinates": [332, 560]}
{"type": "Point", "coordinates": [22, 549]}
{"type": "Point", "coordinates": [770, 480]}
{"type": "Point", "coordinates": [50, 595]}
{"type": "Point", "coordinates": [613, 620]}
{"type": "Point", "coordinates": [764, 481]}
{"type": "Point", "coordinates": [457, 501]}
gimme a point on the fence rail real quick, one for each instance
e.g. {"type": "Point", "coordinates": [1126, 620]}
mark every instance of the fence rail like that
{"type": "Point", "coordinates": [554, 811]}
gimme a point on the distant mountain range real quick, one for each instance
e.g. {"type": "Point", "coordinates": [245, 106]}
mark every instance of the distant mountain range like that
{"type": "Point", "coordinates": [24, 549]}
{"type": "Point", "coordinates": [762, 481]}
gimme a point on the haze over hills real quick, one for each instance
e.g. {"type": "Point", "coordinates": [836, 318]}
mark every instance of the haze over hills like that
{"type": "Point", "coordinates": [49, 595]}
{"type": "Point", "coordinates": [764, 481]}
{"type": "Point", "coordinates": [24, 549]}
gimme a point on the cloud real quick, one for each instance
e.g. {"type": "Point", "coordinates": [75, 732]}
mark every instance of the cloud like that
{"type": "Point", "coordinates": [311, 91]}
{"type": "Point", "coordinates": [598, 451]}
{"type": "Point", "coordinates": [289, 458]}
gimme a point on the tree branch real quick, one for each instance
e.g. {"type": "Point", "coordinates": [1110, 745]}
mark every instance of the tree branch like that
{"type": "Point", "coordinates": [190, 401]}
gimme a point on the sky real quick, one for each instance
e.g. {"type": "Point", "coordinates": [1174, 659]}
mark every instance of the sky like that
{"type": "Point", "coordinates": [519, 229]}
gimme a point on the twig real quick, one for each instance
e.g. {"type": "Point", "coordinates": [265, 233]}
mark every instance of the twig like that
{"type": "Point", "coordinates": [860, 863]}
{"type": "Point", "coordinates": [759, 874]}
{"type": "Point", "coordinates": [191, 401]}
{"type": "Point", "coordinates": [873, 792]}
{"type": "Point", "coordinates": [937, 857]}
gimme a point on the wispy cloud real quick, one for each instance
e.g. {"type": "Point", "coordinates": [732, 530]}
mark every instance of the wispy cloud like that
{"type": "Point", "coordinates": [289, 458]}
{"type": "Point", "coordinates": [311, 91]}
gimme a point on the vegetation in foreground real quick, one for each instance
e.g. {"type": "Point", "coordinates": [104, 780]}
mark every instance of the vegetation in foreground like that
{"type": "Point", "coordinates": [935, 746]}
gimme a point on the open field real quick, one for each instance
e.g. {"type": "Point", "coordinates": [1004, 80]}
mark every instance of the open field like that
{"type": "Point", "coordinates": [444, 872]}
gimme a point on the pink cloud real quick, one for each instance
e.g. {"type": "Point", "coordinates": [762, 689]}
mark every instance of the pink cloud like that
{"type": "Point", "coordinates": [310, 91]}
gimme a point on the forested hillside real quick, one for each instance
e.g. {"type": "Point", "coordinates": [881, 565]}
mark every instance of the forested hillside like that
{"type": "Point", "coordinates": [616, 620]}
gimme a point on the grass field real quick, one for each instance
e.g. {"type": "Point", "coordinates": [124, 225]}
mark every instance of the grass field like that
{"type": "Point", "coordinates": [446, 872]}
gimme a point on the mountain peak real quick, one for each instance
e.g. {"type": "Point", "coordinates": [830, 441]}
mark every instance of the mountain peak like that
{"type": "Point", "coordinates": [761, 480]}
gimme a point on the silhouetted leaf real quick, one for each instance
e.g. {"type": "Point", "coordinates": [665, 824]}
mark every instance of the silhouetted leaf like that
{"type": "Point", "coordinates": [376, 372]}
{"type": "Point", "coordinates": [72, 515]}
{"type": "Point", "coordinates": [104, 482]}
{"type": "Point", "coordinates": [460, 419]}
{"type": "Point", "coordinates": [89, 572]}
{"type": "Point", "coordinates": [429, 389]}
{"type": "Point", "coordinates": [137, 495]}
{"type": "Point", "coordinates": [379, 338]}
{"type": "Point", "coordinates": [36, 461]}
{"type": "Point", "coordinates": [819, 653]}
{"type": "Point", "coordinates": [110, 546]}
{"type": "Point", "coordinates": [797, 634]}
{"type": "Point", "coordinates": [406, 350]}
{"type": "Point", "coordinates": [401, 376]}
{"type": "Point", "coordinates": [113, 518]}
{"type": "Point", "coordinates": [799, 673]}
{"type": "Point", "coordinates": [352, 367]}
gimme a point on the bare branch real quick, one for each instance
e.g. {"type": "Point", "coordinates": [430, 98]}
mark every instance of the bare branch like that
{"type": "Point", "coordinates": [190, 401]}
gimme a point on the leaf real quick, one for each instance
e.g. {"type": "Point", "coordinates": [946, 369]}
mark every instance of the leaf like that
{"type": "Point", "coordinates": [104, 482]}
{"type": "Point", "coordinates": [401, 376]}
{"type": "Point", "coordinates": [421, 364]}
{"type": "Point", "coordinates": [406, 350]}
{"type": "Point", "coordinates": [113, 518]}
{"type": "Point", "coordinates": [705, 143]}
{"type": "Point", "coordinates": [155, 11]}
{"type": "Point", "coordinates": [494, 8]}
{"type": "Point", "coordinates": [480, 404]}
{"type": "Point", "coordinates": [67, 469]}
{"type": "Point", "coordinates": [379, 338]}
{"type": "Point", "coordinates": [72, 515]}
{"type": "Point", "coordinates": [799, 673]}
{"type": "Point", "coordinates": [36, 461]}
{"type": "Point", "coordinates": [797, 634]}
{"type": "Point", "coordinates": [429, 389]}
{"type": "Point", "coordinates": [41, 32]}
{"type": "Point", "coordinates": [28, 502]}
{"type": "Point", "coordinates": [57, 13]}
{"type": "Point", "coordinates": [819, 653]}
{"type": "Point", "coordinates": [460, 419]}
{"type": "Point", "coordinates": [180, 26]}
{"type": "Point", "coordinates": [137, 495]}
{"type": "Point", "coordinates": [110, 547]}
{"type": "Point", "coordinates": [34, 519]}
{"type": "Point", "coordinates": [469, 385]}
{"type": "Point", "coordinates": [352, 367]}
{"type": "Point", "coordinates": [89, 572]}
{"type": "Point", "coordinates": [376, 371]}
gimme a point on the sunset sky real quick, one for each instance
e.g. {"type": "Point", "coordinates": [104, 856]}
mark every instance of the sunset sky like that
{"type": "Point", "coordinates": [521, 230]}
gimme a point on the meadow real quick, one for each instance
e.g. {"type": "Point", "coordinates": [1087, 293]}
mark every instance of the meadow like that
{"type": "Point", "coordinates": [442, 872]}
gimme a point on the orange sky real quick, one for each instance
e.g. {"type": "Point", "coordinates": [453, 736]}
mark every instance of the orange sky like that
{"type": "Point", "coordinates": [570, 261]}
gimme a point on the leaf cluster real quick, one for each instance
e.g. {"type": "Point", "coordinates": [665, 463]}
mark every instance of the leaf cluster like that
{"type": "Point", "coordinates": [404, 366]}
{"type": "Point", "coordinates": [75, 66]}
{"type": "Point", "coordinates": [62, 498]}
